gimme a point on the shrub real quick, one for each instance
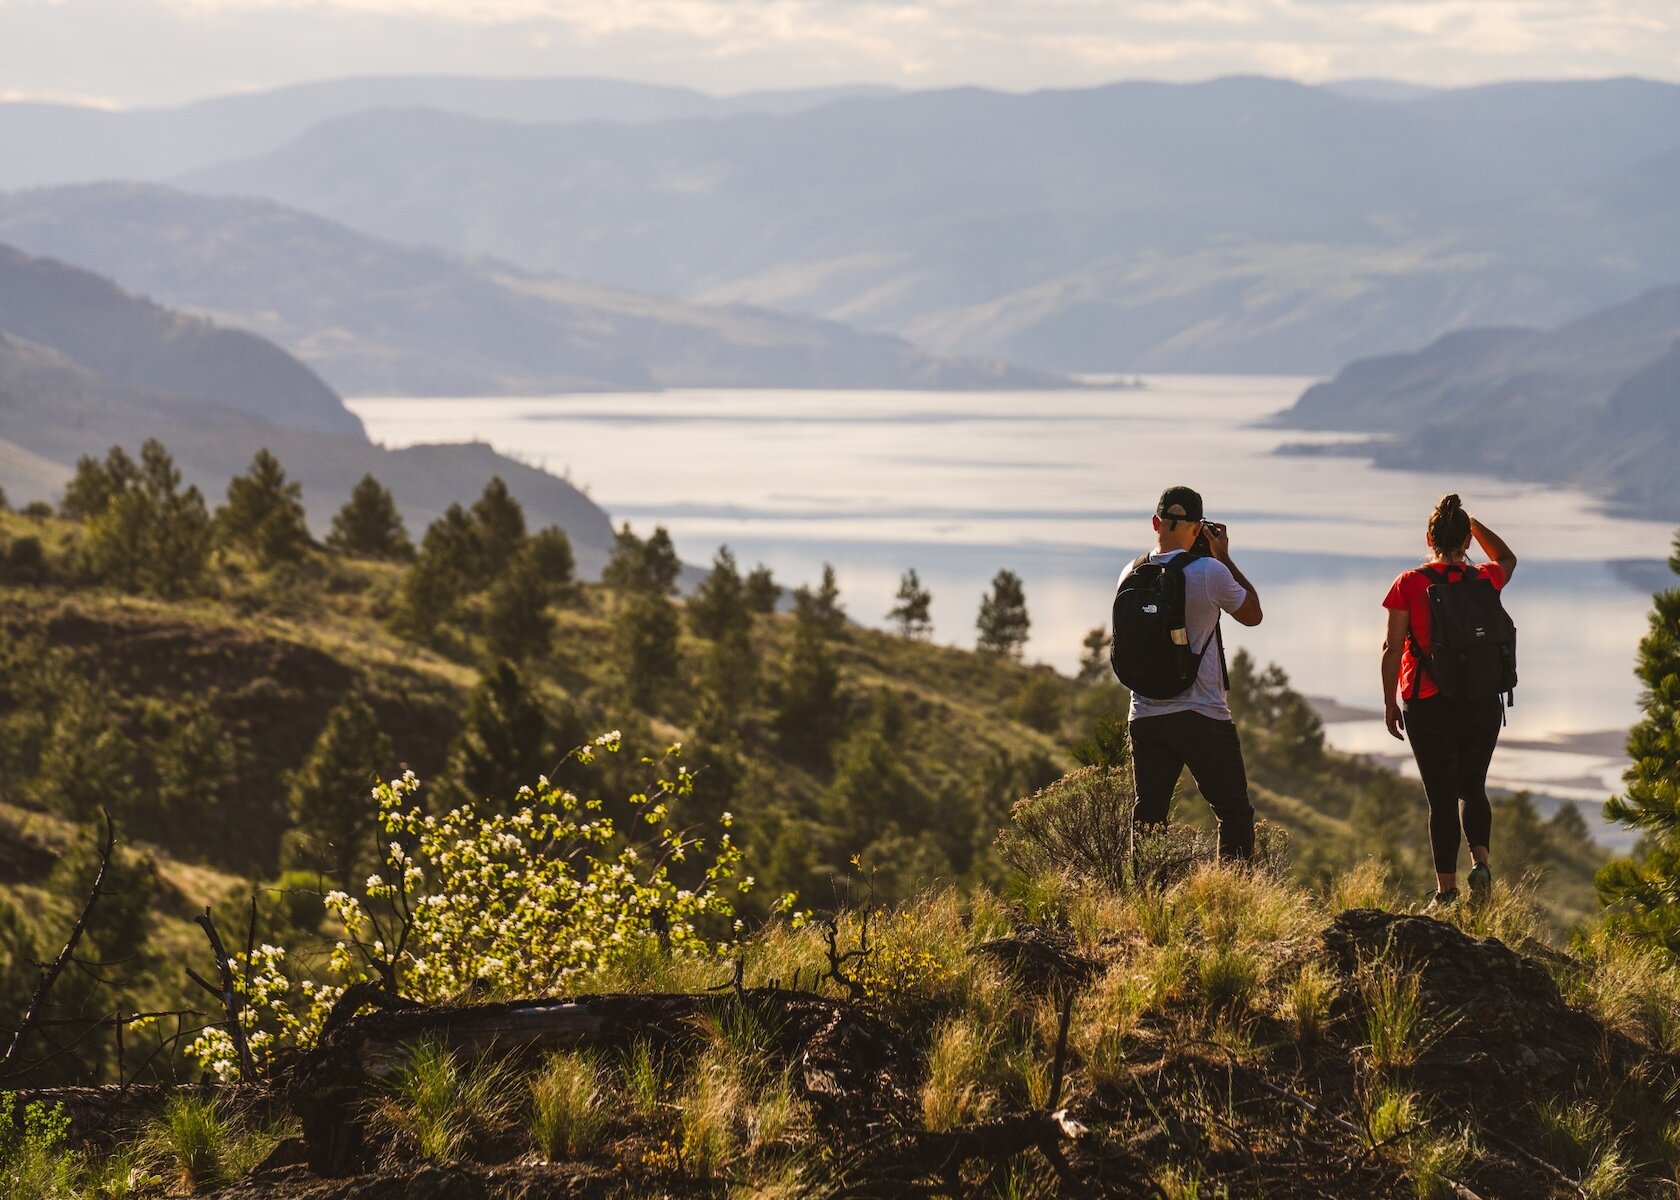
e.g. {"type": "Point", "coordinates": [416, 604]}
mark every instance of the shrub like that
{"type": "Point", "coordinates": [198, 1142]}
{"type": "Point", "coordinates": [36, 1162]}
{"type": "Point", "coordinates": [1080, 823]}
{"type": "Point", "coordinates": [1398, 1031]}
{"type": "Point", "coordinates": [1040, 704]}
{"type": "Point", "coordinates": [438, 1104]}
{"type": "Point", "coordinates": [568, 1113]}
{"type": "Point", "coordinates": [1307, 1001]}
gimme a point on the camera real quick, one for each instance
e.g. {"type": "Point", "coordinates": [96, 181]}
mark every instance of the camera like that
{"type": "Point", "coordinates": [1201, 544]}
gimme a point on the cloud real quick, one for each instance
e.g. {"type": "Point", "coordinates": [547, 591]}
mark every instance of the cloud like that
{"type": "Point", "coordinates": [81, 47]}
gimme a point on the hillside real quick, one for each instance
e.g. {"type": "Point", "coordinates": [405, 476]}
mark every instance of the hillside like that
{"type": "Point", "coordinates": [1238, 225]}
{"type": "Point", "coordinates": [1590, 403]}
{"type": "Point", "coordinates": [60, 143]}
{"type": "Point", "coordinates": [85, 366]}
{"type": "Point", "coordinates": [378, 318]}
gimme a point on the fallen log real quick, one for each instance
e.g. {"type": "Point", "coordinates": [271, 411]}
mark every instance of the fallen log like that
{"type": "Point", "coordinates": [846, 1061]}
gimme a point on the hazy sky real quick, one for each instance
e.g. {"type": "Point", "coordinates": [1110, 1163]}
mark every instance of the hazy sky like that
{"type": "Point", "coordinates": [162, 51]}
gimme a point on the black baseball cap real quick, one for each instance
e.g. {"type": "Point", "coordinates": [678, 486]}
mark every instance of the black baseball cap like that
{"type": "Point", "coordinates": [1188, 501]}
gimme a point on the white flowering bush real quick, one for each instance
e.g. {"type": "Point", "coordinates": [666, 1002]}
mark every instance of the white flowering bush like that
{"type": "Point", "coordinates": [511, 904]}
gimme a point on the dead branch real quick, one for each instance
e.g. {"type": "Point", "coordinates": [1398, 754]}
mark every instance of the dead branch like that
{"type": "Point", "coordinates": [43, 988]}
{"type": "Point", "coordinates": [228, 994]}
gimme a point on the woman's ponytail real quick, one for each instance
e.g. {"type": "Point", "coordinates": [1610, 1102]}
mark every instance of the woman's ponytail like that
{"type": "Point", "coordinates": [1449, 524]}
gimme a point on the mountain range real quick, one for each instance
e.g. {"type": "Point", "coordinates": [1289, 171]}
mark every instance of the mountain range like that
{"type": "Point", "coordinates": [85, 365]}
{"type": "Point", "coordinates": [379, 318]}
{"type": "Point", "coordinates": [1593, 403]}
{"type": "Point", "coordinates": [1238, 225]}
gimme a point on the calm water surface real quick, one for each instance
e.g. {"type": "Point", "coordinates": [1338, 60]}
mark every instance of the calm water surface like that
{"type": "Point", "coordinates": [1058, 486]}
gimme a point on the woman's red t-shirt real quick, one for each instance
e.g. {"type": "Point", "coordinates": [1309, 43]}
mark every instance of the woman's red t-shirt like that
{"type": "Point", "coordinates": [1411, 593]}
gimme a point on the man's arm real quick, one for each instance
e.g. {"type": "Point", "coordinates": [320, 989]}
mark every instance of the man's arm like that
{"type": "Point", "coordinates": [1394, 649]}
{"type": "Point", "coordinates": [1248, 612]}
{"type": "Point", "coordinates": [1494, 547]}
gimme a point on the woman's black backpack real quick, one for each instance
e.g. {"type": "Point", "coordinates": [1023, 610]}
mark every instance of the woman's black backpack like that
{"type": "Point", "coordinates": [1151, 653]}
{"type": "Point", "coordinates": [1472, 639]}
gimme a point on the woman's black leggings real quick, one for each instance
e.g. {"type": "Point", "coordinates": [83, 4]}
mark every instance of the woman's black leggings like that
{"type": "Point", "coordinates": [1453, 741]}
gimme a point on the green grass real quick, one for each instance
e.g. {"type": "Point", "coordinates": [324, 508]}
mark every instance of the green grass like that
{"type": "Point", "coordinates": [437, 1103]}
{"type": "Point", "coordinates": [568, 1107]}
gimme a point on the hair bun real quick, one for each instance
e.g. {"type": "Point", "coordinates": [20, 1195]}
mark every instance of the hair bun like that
{"type": "Point", "coordinates": [1451, 503]}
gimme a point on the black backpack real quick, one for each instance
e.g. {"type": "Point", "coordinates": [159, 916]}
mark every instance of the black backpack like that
{"type": "Point", "coordinates": [1151, 653]}
{"type": "Point", "coordinates": [1473, 641]}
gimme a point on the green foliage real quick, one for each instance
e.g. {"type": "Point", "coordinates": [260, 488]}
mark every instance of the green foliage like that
{"type": "Point", "coordinates": [95, 484]}
{"type": "Point", "coordinates": [568, 1107]}
{"type": "Point", "coordinates": [645, 567]}
{"type": "Point", "coordinates": [505, 740]}
{"type": "Point", "coordinates": [202, 1144]}
{"type": "Point", "coordinates": [189, 773]}
{"type": "Point", "coordinates": [36, 1162]}
{"type": "Point", "coordinates": [86, 760]}
{"type": "Point", "coordinates": [1642, 893]}
{"type": "Point", "coordinates": [549, 554]}
{"type": "Point", "coordinates": [1397, 1028]}
{"type": "Point", "coordinates": [1265, 703]}
{"type": "Point", "coordinates": [1041, 703]}
{"type": "Point", "coordinates": [1003, 621]}
{"type": "Point", "coordinates": [150, 536]}
{"type": "Point", "coordinates": [807, 718]}
{"type": "Point", "coordinates": [370, 526]}
{"type": "Point", "coordinates": [718, 608]}
{"type": "Point", "coordinates": [645, 633]}
{"type": "Point", "coordinates": [517, 624]}
{"type": "Point", "coordinates": [438, 1104]}
{"type": "Point", "coordinates": [872, 794]}
{"type": "Point", "coordinates": [1081, 823]}
{"type": "Point", "coordinates": [264, 513]}
{"type": "Point", "coordinates": [761, 591]}
{"type": "Point", "coordinates": [498, 528]}
{"type": "Point", "coordinates": [1094, 664]}
{"type": "Point", "coordinates": [823, 605]}
{"type": "Point", "coordinates": [327, 795]}
{"type": "Point", "coordinates": [912, 612]}
{"type": "Point", "coordinates": [20, 950]}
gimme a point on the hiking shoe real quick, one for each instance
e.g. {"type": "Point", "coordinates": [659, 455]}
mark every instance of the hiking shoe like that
{"type": "Point", "coordinates": [1481, 885]}
{"type": "Point", "coordinates": [1442, 901]}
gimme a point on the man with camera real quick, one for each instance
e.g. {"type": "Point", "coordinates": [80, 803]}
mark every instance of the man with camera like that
{"type": "Point", "coordinates": [1174, 596]}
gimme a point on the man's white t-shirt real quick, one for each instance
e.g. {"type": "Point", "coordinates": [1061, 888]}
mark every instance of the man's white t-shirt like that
{"type": "Point", "coordinates": [1209, 587]}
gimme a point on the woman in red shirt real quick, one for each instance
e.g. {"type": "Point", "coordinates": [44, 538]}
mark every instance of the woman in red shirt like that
{"type": "Point", "coordinates": [1452, 739]}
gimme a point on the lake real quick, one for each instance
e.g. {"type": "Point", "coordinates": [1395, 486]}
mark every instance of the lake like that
{"type": "Point", "coordinates": [1058, 487]}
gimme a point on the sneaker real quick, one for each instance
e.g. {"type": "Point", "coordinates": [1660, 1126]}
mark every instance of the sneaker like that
{"type": "Point", "coordinates": [1442, 901]}
{"type": "Point", "coordinates": [1481, 884]}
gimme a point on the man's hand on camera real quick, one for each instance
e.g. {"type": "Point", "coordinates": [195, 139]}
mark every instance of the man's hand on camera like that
{"type": "Point", "coordinates": [1219, 540]}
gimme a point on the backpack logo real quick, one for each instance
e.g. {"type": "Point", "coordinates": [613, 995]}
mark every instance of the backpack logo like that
{"type": "Point", "coordinates": [1151, 609]}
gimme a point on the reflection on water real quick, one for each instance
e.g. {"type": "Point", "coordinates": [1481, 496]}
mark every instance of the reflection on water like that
{"type": "Point", "coordinates": [1057, 486]}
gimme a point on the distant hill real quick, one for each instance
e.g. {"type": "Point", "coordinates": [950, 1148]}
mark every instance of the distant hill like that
{"type": "Point", "coordinates": [63, 143]}
{"type": "Point", "coordinates": [85, 365]}
{"type": "Point", "coordinates": [1241, 224]}
{"type": "Point", "coordinates": [1593, 403]}
{"type": "Point", "coordinates": [376, 318]}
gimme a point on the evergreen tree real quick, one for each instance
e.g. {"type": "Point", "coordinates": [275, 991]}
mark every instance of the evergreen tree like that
{"type": "Point", "coordinates": [327, 797]}
{"type": "Point", "coordinates": [95, 483]}
{"type": "Point", "coordinates": [517, 625]}
{"type": "Point", "coordinates": [505, 741]}
{"type": "Point", "coordinates": [87, 761]}
{"type": "Point", "coordinates": [871, 793]}
{"type": "Point", "coordinates": [264, 513]}
{"type": "Point", "coordinates": [369, 525]}
{"type": "Point", "coordinates": [825, 604]}
{"type": "Point", "coordinates": [499, 525]}
{"type": "Point", "coordinates": [762, 591]}
{"type": "Point", "coordinates": [623, 572]}
{"type": "Point", "coordinates": [645, 643]}
{"type": "Point", "coordinates": [808, 715]}
{"type": "Point", "coordinates": [1003, 619]}
{"type": "Point", "coordinates": [730, 674]}
{"type": "Point", "coordinates": [549, 552]}
{"type": "Point", "coordinates": [444, 571]}
{"type": "Point", "coordinates": [649, 567]}
{"type": "Point", "coordinates": [910, 614]}
{"type": "Point", "coordinates": [1094, 665]}
{"type": "Point", "coordinates": [192, 774]}
{"type": "Point", "coordinates": [718, 607]}
{"type": "Point", "coordinates": [1642, 893]}
{"type": "Point", "coordinates": [151, 535]}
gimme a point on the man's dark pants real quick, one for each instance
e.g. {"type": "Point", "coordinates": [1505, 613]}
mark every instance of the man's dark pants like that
{"type": "Point", "coordinates": [1162, 746]}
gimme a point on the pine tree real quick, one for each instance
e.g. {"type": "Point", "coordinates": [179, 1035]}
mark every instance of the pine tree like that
{"type": "Point", "coordinates": [718, 607]}
{"type": "Point", "coordinates": [871, 793]}
{"type": "Point", "coordinates": [911, 613]}
{"type": "Point", "coordinates": [327, 796]}
{"type": "Point", "coordinates": [623, 572]}
{"type": "Point", "coordinates": [151, 535]}
{"type": "Point", "coordinates": [505, 741]}
{"type": "Point", "coordinates": [1642, 893]}
{"type": "Point", "coordinates": [549, 552]}
{"type": "Point", "coordinates": [499, 525]}
{"type": "Point", "coordinates": [1003, 619]}
{"type": "Point", "coordinates": [660, 562]}
{"type": "Point", "coordinates": [445, 570]}
{"type": "Point", "coordinates": [95, 483]}
{"type": "Point", "coordinates": [369, 525]}
{"type": "Point", "coordinates": [808, 715]}
{"type": "Point", "coordinates": [517, 624]}
{"type": "Point", "coordinates": [264, 513]}
{"type": "Point", "coordinates": [1094, 666]}
{"type": "Point", "coordinates": [825, 603]}
{"type": "Point", "coordinates": [645, 644]}
{"type": "Point", "coordinates": [762, 591]}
